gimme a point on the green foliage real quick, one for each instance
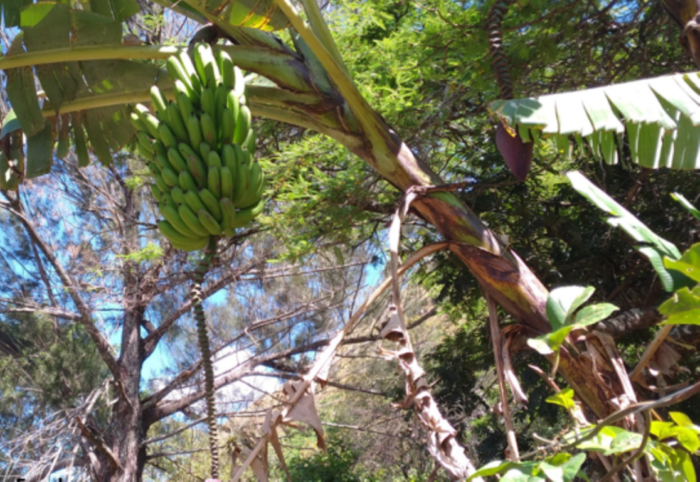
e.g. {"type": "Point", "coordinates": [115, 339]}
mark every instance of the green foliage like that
{"type": "Point", "coordinates": [43, 369]}
{"type": "Point", "coordinates": [565, 314]}
{"type": "Point", "coordinates": [335, 465]}
{"type": "Point", "coordinates": [557, 468]}
{"type": "Point", "coordinates": [150, 252]}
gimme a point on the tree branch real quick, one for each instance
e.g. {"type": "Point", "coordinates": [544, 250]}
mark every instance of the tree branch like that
{"type": "Point", "coordinates": [103, 346]}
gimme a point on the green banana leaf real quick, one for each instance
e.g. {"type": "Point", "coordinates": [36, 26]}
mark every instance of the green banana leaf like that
{"type": "Point", "coordinates": [661, 117]}
{"type": "Point", "coordinates": [256, 14]}
{"type": "Point", "coordinates": [49, 25]}
{"type": "Point", "coordinates": [118, 10]}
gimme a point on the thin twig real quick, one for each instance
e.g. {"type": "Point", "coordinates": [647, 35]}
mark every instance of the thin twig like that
{"type": "Point", "coordinates": [497, 353]}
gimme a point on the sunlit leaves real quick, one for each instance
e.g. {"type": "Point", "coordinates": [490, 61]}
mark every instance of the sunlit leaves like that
{"type": "Point", "coordinates": [562, 467]}
{"type": "Point", "coordinates": [565, 315]}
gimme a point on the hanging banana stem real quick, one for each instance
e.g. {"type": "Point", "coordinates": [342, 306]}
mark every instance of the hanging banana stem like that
{"type": "Point", "coordinates": [205, 352]}
{"type": "Point", "coordinates": [500, 65]}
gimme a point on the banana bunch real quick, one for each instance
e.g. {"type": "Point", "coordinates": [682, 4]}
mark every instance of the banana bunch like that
{"type": "Point", "coordinates": [200, 150]}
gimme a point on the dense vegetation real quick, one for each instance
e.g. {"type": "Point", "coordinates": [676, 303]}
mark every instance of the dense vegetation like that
{"type": "Point", "coordinates": [79, 248]}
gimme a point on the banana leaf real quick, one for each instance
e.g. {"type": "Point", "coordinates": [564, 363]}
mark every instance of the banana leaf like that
{"type": "Point", "coordinates": [661, 117]}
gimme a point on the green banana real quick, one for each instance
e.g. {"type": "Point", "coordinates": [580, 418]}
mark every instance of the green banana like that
{"type": "Point", "coordinates": [250, 141]}
{"type": "Point", "coordinates": [159, 148]}
{"type": "Point", "coordinates": [148, 120]}
{"type": "Point", "coordinates": [209, 223]}
{"type": "Point", "coordinates": [187, 182]}
{"type": "Point", "coordinates": [178, 195]}
{"type": "Point", "coordinates": [226, 183]}
{"type": "Point", "coordinates": [173, 217]}
{"type": "Point", "coordinates": [153, 167]}
{"type": "Point", "coordinates": [234, 106]}
{"type": "Point", "coordinates": [230, 232]}
{"type": "Point", "coordinates": [254, 179]}
{"type": "Point", "coordinates": [228, 159]}
{"type": "Point", "coordinates": [240, 156]}
{"type": "Point", "coordinates": [206, 65]}
{"type": "Point", "coordinates": [213, 159]}
{"type": "Point", "coordinates": [247, 158]}
{"type": "Point", "coordinates": [242, 125]}
{"type": "Point", "coordinates": [239, 87]}
{"type": "Point", "coordinates": [191, 71]}
{"type": "Point", "coordinates": [175, 236]}
{"type": "Point", "coordinates": [169, 176]}
{"type": "Point", "coordinates": [244, 216]}
{"type": "Point", "coordinates": [226, 69]}
{"type": "Point", "coordinates": [163, 162]}
{"type": "Point", "coordinates": [219, 103]}
{"type": "Point", "coordinates": [166, 135]}
{"type": "Point", "coordinates": [142, 150]}
{"type": "Point", "coordinates": [214, 181]}
{"type": "Point", "coordinates": [145, 144]}
{"type": "Point", "coordinates": [193, 201]}
{"type": "Point", "coordinates": [177, 73]}
{"type": "Point", "coordinates": [184, 103]}
{"type": "Point", "coordinates": [194, 130]}
{"type": "Point", "coordinates": [208, 129]}
{"type": "Point", "coordinates": [204, 150]}
{"type": "Point", "coordinates": [211, 202]}
{"type": "Point", "coordinates": [257, 194]}
{"type": "Point", "coordinates": [157, 193]}
{"type": "Point", "coordinates": [167, 199]}
{"type": "Point", "coordinates": [228, 126]}
{"type": "Point", "coordinates": [241, 188]}
{"type": "Point", "coordinates": [176, 123]}
{"type": "Point", "coordinates": [208, 102]}
{"type": "Point", "coordinates": [136, 122]}
{"type": "Point", "coordinates": [195, 165]}
{"type": "Point", "coordinates": [159, 103]}
{"type": "Point", "coordinates": [176, 160]}
{"type": "Point", "coordinates": [229, 212]}
{"type": "Point", "coordinates": [193, 245]}
{"type": "Point", "coordinates": [192, 221]}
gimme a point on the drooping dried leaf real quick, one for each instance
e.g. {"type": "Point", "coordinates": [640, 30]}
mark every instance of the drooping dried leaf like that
{"type": "Point", "coordinates": [305, 410]}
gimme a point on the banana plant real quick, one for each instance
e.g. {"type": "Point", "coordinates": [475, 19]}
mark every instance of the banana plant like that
{"type": "Point", "coordinates": [89, 77]}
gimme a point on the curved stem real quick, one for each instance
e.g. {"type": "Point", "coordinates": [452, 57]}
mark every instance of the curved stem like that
{"type": "Point", "coordinates": [205, 351]}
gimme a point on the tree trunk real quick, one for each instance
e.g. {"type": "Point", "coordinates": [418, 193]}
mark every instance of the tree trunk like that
{"type": "Point", "coordinates": [127, 420]}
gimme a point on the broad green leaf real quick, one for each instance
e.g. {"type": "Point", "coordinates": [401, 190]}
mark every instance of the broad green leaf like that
{"type": "Point", "coordinates": [49, 26]}
{"type": "Point", "coordinates": [624, 442]}
{"type": "Point", "coordinates": [684, 466]}
{"type": "Point", "coordinates": [9, 124]}
{"type": "Point", "coordinates": [689, 264]}
{"type": "Point", "coordinates": [688, 438]}
{"type": "Point", "coordinates": [39, 150]}
{"type": "Point", "coordinates": [683, 308]}
{"type": "Point", "coordinates": [562, 302]}
{"type": "Point", "coordinates": [540, 345]}
{"type": "Point", "coordinates": [646, 109]}
{"type": "Point", "coordinates": [565, 398]}
{"type": "Point", "coordinates": [656, 259]}
{"type": "Point", "coordinates": [492, 468]}
{"type": "Point", "coordinates": [661, 430]}
{"type": "Point", "coordinates": [686, 204]}
{"type": "Point", "coordinates": [681, 419]}
{"type": "Point", "coordinates": [657, 247]}
{"type": "Point", "coordinates": [553, 473]}
{"type": "Point", "coordinates": [602, 441]}
{"type": "Point", "coordinates": [22, 93]}
{"type": "Point", "coordinates": [570, 468]}
{"type": "Point", "coordinates": [593, 314]}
